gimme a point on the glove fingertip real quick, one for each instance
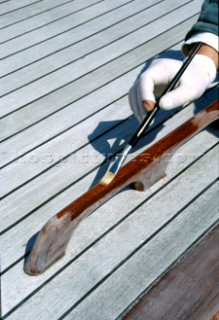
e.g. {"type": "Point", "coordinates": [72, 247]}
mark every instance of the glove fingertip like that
{"type": "Point", "coordinates": [166, 103]}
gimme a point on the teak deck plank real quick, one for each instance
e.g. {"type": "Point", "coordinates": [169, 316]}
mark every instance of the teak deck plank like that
{"type": "Point", "coordinates": [60, 41]}
{"type": "Point", "coordinates": [190, 290]}
{"type": "Point", "coordinates": [40, 20]}
{"type": "Point", "coordinates": [29, 12]}
{"type": "Point", "coordinates": [7, 7]}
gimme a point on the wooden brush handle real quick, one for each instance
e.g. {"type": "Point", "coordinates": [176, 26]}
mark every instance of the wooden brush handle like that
{"type": "Point", "coordinates": [142, 172]}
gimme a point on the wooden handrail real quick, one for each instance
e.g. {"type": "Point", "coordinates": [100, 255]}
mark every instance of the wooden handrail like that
{"type": "Point", "coordinates": [142, 172]}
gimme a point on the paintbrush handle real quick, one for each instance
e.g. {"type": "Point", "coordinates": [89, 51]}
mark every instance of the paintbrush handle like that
{"type": "Point", "coordinates": [144, 125]}
{"type": "Point", "coordinates": [151, 115]}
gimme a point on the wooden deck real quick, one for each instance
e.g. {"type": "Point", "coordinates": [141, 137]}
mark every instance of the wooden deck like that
{"type": "Point", "coordinates": [65, 70]}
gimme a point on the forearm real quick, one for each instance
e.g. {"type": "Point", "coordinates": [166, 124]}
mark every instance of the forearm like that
{"type": "Point", "coordinates": [209, 52]}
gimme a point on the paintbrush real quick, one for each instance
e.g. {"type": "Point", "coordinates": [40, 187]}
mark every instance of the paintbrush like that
{"type": "Point", "coordinates": [120, 158]}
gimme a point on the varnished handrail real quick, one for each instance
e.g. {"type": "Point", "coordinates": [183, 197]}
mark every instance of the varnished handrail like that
{"type": "Point", "coordinates": [143, 171]}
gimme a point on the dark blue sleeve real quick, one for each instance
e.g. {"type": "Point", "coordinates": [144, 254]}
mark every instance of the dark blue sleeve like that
{"type": "Point", "coordinates": [208, 19]}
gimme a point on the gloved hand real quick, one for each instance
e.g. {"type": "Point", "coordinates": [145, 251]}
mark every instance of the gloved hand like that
{"type": "Point", "coordinates": [193, 83]}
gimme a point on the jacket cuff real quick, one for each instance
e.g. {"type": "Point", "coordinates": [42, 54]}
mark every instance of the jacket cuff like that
{"type": "Point", "coordinates": [206, 37]}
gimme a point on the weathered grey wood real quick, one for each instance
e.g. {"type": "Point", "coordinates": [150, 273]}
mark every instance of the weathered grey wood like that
{"type": "Point", "coordinates": [73, 282]}
{"type": "Point", "coordinates": [15, 5]}
{"type": "Point", "coordinates": [33, 91]}
{"type": "Point", "coordinates": [29, 11]}
{"type": "Point", "coordinates": [56, 28]}
{"type": "Point", "coordinates": [142, 269]}
{"type": "Point", "coordinates": [81, 49]}
{"type": "Point", "coordinates": [106, 216]}
{"type": "Point", "coordinates": [75, 112]}
{"type": "Point", "coordinates": [58, 43]}
{"type": "Point", "coordinates": [66, 39]}
{"type": "Point", "coordinates": [43, 19]}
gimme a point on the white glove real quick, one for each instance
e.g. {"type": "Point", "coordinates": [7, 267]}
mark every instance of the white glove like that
{"type": "Point", "coordinates": [192, 84]}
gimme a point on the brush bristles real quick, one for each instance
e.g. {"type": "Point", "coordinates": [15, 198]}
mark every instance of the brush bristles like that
{"type": "Point", "coordinates": [107, 178]}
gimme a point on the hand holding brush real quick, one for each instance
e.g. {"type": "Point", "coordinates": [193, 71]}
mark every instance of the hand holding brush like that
{"type": "Point", "coordinates": [192, 84]}
{"type": "Point", "coordinates": [202, 79]}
